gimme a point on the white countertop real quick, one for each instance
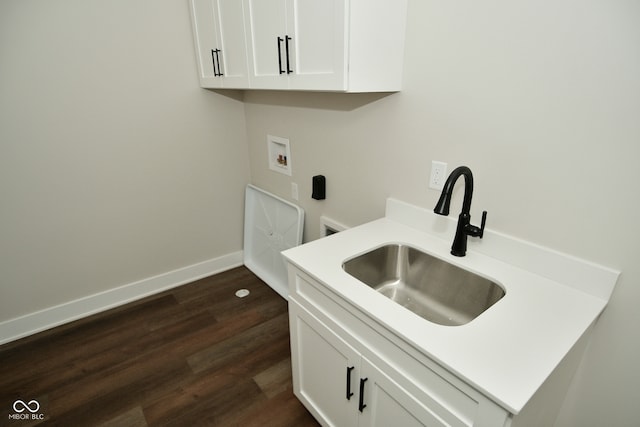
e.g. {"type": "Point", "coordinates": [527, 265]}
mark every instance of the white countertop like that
{"type": "Point", "coordinates": [509, 350]}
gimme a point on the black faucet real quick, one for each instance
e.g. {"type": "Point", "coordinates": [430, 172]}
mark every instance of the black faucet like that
{"type": "Point", "coordinates": [464, 229]}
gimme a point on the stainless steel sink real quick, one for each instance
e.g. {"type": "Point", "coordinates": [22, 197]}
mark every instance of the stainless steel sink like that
{"type": "Point", "coordinates": [430, 287]}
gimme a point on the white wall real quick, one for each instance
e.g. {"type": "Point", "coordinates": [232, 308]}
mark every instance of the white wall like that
{"type": "Point", "coordinates": [542, 101]}
{"type": "Point", "coordinates": [114, 165]}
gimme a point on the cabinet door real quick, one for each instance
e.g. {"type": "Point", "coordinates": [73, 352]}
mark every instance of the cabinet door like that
{"type": "Point", "coordinates": [388, 404]}
{"type": "Point", "coordinates": [318, 46]}
{"type": "Point", "coordinates": [325, 369]}
{"type": "Point", "coordinates": [267, 24]}
{"type": "Point", "coordinates": [232, 43]}
{"type": "Point", "coordinates": [205, 36]}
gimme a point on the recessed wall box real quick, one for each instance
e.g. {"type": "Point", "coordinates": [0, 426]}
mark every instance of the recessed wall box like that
{"type": "Point", "coordinates": [279, 154]}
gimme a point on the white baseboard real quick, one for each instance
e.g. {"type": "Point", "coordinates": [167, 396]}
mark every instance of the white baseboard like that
{"type": "Point", "coordinates": [48, 318]}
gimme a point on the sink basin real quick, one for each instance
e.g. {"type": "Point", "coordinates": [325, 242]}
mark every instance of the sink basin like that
{"type": "Point", "coordinates": [428, 286]}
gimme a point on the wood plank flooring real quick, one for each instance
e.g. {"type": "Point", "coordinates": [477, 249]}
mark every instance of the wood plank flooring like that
{"type": "Point", "coordinates": [196, 355]}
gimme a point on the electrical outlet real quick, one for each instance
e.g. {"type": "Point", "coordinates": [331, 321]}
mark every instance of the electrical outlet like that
{"type": "Point", "coordinates": [438, 175]}
{"type": "Point", "coordinates": [294, 191]}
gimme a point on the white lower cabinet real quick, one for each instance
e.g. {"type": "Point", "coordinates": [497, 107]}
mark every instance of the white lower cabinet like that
{"type": "Point", "coordinates": [341, 387]}
{"type": "Point", "coordinates": [323, 369]}
{"type": "Point", "coordinates": [388, 404]}
{"type": "Point", "coordinates": [347, 373]}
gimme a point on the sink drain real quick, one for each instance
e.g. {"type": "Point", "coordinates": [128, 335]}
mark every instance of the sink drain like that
{"type": "Point", "coordinates": [241, 293]}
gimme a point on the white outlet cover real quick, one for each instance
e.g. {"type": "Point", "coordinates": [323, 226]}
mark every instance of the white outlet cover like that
{"type": "Point", "coordinates": [438, 175]}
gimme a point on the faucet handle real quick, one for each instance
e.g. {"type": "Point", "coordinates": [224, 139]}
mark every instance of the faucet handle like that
{"type": "Point", "coordinates": [474, 231]}
{"type": "Point", "coordinates": [482, 224]}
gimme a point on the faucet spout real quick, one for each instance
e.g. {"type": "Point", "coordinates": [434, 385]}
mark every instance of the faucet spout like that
{"type": "Point", "coordinates": [464, 228]}
{"type": "Point", "coordinates": [442, 207]}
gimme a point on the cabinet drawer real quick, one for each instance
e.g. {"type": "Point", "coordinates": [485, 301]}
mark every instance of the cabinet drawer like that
{"type": "Point", "coordinates": [455, 402]}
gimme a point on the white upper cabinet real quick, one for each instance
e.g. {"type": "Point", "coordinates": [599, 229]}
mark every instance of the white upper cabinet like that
{"type": "Point", "coordinates": [220, 38]}
{"type": "Point", "coordinates": [267, 26]}
{"type": "Point", "coordinates": [297, 44]}
{"type": "Point", "coordinates": [316, 45]}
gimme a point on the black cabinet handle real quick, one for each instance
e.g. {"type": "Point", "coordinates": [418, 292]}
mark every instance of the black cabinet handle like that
{"type": "Point", "coordinates": [361, 404]}
{"type": "Point", "coordinates": [349, 392]}
{"type": "Point", "coordinates": [215, 57]}
{"type": "Point", "coordinates": [286, 47]}
{"type": "Point", "coordinates": [280, 40]}
{"type": "Point", "coordinates": [218, 54]}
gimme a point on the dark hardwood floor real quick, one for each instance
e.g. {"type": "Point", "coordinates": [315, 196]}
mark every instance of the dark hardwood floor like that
{"type": "Point", "coordinates": [196, 355]}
